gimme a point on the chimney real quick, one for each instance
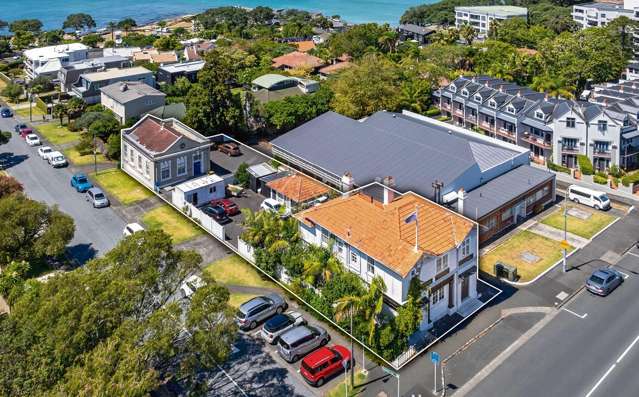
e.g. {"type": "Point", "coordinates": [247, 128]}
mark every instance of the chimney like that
{"type": "Point", "coordinates": [461, 197]}
{"type": "Point", "coordinates": [389, 194]}
{"type": "Point", "coordinates": [347, 181]}
{"type": "Point", "coordinates": [124, 87]}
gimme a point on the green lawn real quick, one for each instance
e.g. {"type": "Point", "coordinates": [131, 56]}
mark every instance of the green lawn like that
{"type": "Point", "coordinates": [76, 158]}
{"type": "Point", "coordinates": [338, 391]}
{"type": "Point", "coordinates": [233, 270]}
{"type": "Point", "coordinates": [35, 112]}
{"type": "Point", "coordinates": [585, 228]}
{"type": "Point", "coordinates": [56, 134]}
{"type": "Point", "coordinates": [121, 186]}
{"type": "Point", "coordinates": [509, 252]}
{"type": "Point", "coordinates": [235, 300]}
{"type": "Point", "coordinates": [172, 222]}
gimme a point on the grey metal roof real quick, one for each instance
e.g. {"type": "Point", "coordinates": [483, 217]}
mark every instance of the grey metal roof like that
{"type": "Point", "coordinates": [536, 124]}
{"type": "Point", "coordinates": [260, 170]}
{"type": "Point", "coordinates": [409, 27]}
{"type": "Point", "coordinates": [415, 153]}
{"type": "Point", "coordinates": [630, 135]}
{"type": "Point", "coordinates": [506, 187]}
{"type": "Point", "coordinates": [127, 91]}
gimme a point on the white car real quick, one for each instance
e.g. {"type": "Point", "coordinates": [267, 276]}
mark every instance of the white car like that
{"type": "Point", "coordinates": [44, 152]}
{"type": "Point", "coordinates": [190, 285]}
{"type": "Point", "coordinates": [57, 159]}
{"type": "Point", "coordinates": [132, 228]}
{"type": "Point", "coordinates": [33, 140]}
{"type": "Point", "coordinates": [272, 205]}
{"type": "Point", "coordinates": [279, 324]}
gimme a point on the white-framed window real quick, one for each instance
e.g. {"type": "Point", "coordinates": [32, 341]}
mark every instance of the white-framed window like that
{"type": "Point", "coordinates": [478, 98]}
{"type": "Point", "coordinates": [354, 257]}
{"type": "Point", "coordinates": [465, 248]}
{"type": "Point", "coordinates": [181, 165]}
{"type": "Point", "coordinates": [492, 104]}
{"type": "Point", "coordinates": [139, 162]}
{"type": "Point", "coordinates": [212, 189]}
{"type": "Point", "coordinates": [492, 222]}
{"type": "Point", "coordinates": [125, 151]}
{"type": "Point", "coordinates": [570, 122]}
{"type": "Point", "coordinates": [539, 114]}
{"type": "Point", "coordinates": [325, 237]}
{"type": "Point", "coordinates": [165, 170]}
{"type": "Point", "coordinates": [147, 167]}
{"type": "Point", "coordinates": [464, 92]}
{"type": "Point", "coordinates": [340, 247]}
{"type": "Point", "coordinates": [506, 214]}
{"type": "Point", "coordinates": [370, 265]}
{"type": "Point", "coordinates": [453, 88]}
{"type": "Point", "coordinates": [438, 296]}
{"type": "Point", "coordinates": [131, 157]}
{"type": "Point", "coordinates": [197, 156]}
{"type": "Point", "coordinates": [442, 263]}
{"type": "Point", "coordinates": [602, 125]}
{"type": "Point", "coordinates": [510, 109]}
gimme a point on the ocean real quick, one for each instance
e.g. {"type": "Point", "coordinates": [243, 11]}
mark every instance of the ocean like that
{"type": "Point", "coordinates": [53, 12]}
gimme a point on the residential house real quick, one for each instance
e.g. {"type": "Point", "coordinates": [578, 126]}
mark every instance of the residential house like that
{"type": "Point", "coordinates": [333, 69]}
{"type": "Point", "coordinates": [481, 17]}
{"type": "Point", "coordinates": [131, 99]}
{"type": "Point", "coordinates": [169, 73]}
{"type": "Point", "coordinates": [304, 46]}
{"type": "Point", "coordinates": [431, 158]}
{"type": "Point", "coordinates": [70, 74]}
{"type": "Point", "coordinates": [163, 152]}
{"type": "Point", "coordinates": [297, 190]}
{"type": "Point", "coordinates": [154, 56]}
{"type": "Point", "coordinates": [297, 60]}
{"type": "Point", "coordinates": [400, 238]}
{"type": "Point", "coordinates": [47, 61]}
{"type": "Point", "coordinates": [88, 86]}
{"type": "Point", "coordinates": [274, 87]}
{"type": "Point", "coordinates": [420, 34]}
{"type": "Point", "coordinates": [121, 51]}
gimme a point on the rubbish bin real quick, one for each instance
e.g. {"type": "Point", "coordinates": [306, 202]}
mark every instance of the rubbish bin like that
{"type": "Point", "coordinates": [499, 269]}
{"type": "Point", "coordinates": [508, 272]}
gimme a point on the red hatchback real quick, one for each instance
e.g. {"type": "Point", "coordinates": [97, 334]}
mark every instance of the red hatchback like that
{"type": "Point", "coordinates": [229, 207]}
{"type": "Point", "coordinates": [25, 131]}
{"type": "Point", "coordinates": [324, 363]}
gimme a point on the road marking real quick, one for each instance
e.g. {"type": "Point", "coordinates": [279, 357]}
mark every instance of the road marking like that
{"type": "Point", "coordinates": [232, 380]}
{"type": "Point", "coordinates": [633, 254]}
{"type": "Point", "coordinates": [625, 276]}
{"type": "Point", "coordinates": [627, 349]}
{"type": "Point", "coordinates": [601, 380]}
{"type": "Point", "coordinates": [581, 316]}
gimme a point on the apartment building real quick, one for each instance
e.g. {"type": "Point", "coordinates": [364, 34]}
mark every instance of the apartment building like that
{"type": "Point", "coordinates": [70, 74]}
{"type": "Point", "coordinates": [480, 17]}
{"type": "Point", "coordinates": [551, 128]}
{"type": "Point", "coordinates": [88, 85]}
{"type": "Point", "coordinates": [47, 61]}
{"type": "Point", "coordinates": [598, 14]}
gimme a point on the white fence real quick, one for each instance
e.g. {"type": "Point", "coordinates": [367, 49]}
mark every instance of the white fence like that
{"type": "Point", "coordinates": [245, 250]}
{"type": "Point", "coordinates": [206, 221]}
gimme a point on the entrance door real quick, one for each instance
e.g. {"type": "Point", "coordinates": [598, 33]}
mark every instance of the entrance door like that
{"type": "Point", "coordinates": [194, 199]}
{"type": "Point", "coordinates": [197, 168]}
{"type": "Point", "coordinates": [465, 288]}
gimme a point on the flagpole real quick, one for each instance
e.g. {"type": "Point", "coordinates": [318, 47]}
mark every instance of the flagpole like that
{"type": "Point", "coordinates": [416, 228]}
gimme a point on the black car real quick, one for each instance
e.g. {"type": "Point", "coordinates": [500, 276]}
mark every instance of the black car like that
{"type": "Point", "coordinates": [5, 112]}
{"type": "Point", "coordinates": [20, 127]}
{"type": "Point", "coordinates": [217, 213]}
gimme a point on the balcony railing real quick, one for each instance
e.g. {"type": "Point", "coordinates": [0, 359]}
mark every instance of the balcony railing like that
{"type": "Point", "coordinates": [459, 112]}
{"type": "Point", "coordinates": [486, 125]}
{"type": "Point", "coordinates": [601, 153]}
{"type": "Point", "coordinates": [570, 149]}
{"type": "Point", "coordinates": [471, 117]}
{"type": "Point", "coordinates": [536, 141]}
{"type": "Point", "coordinates": [445, 106]}
{"type": "Point", "coordinates": [504, 132]}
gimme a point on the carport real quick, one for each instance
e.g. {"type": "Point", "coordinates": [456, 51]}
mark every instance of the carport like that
{"type": "Point", "coordinates": [257, 172]}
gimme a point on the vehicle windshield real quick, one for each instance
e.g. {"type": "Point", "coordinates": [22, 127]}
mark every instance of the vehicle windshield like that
{"type": "Point", "coordinates": [596, 279]}
{"type": "Point", "coordinates": [239, 314]}
{"type": "Point", "coordinates": [47, 150]}
{"type": "Point", "coordinates": [603, 198]}
{"type": "Point", "coordinates": [308, 368]}
{"type": "Point", "coordinates": [99, 196]}
{"type": "Point", "coordinates": [82, 179]}
{"type": "Point", "coordinates": [58, 158]}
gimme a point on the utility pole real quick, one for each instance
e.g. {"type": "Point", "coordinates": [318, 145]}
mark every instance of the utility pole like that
{"type": "Point", "coordinates": [30, 103]}
{"type": "Point", "coordinates": [352, 352]}
{"type": "Point", "coordinates": [565, 242]}
{"type": "Point", "coordinates": [95, 154]}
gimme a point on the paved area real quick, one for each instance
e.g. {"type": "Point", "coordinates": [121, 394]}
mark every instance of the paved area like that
{"type": "Point", "coordinates": [558, 235]}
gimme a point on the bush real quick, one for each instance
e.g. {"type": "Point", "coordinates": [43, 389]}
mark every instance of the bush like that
{"type": "Point", "coordinates": [432, 112]}
{"type": "Point", "coordinates": [85, 146]}
{"type": "Point", "coordinates": [600, 179]}
{"type": "Point", "coordinates": [585, 165]}
{"type": "Point", "coordinates": [630, 179]}
{"type": "Point", "coordinates": [557, 168]}
{"type": "Point", "coordinates": [601, 174]}
{"type": "Point", "coordinates": [615, 171]}
{"type": "Point", "coordinates": [242, 175]}
{"type": "Point", "coordinates": [13, 92]}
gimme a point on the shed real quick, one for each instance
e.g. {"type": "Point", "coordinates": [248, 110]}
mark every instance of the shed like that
{"type": "Point", "coordinates": [199, 191]}
{"type": "Point", "coordinates": [256, 173]}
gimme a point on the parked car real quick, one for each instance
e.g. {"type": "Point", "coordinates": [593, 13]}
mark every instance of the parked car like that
{"type": "Point", "coordinates": [6, 112]}
{"type": "Point", "coordinates": [190, 285]}
{"type": "Point", "coordinates": [230, 148]}
{"type": "Point", "coordinates": [271, 205]}
{"type": "Point", "coordinates": [217, 213]}
{"type": "Point", "coordinates": [279, 324]}
{"type": "Point", "coordinates": [25, 132]}
{"type": "Point", "coordinates": [80, 182]}
{"type": "Point", "coordinates": [325, 363]}
{"type": "Point", "coordinates": [603, 281]}
{"type": "Point", "coordinates": [57, 159]}
{"type": "Point", "coordinates": [44, 152]}
{"type": "Point", "coordinates": [229, 207]}
{"type": "Point", "coordinates": [258, 309]}
{"type": "Point", "coordinates": [301, 340]}
{"type": "Point", "coordinates": [593, 198]}
{"type": "Point", "coordinates": [33, 140]}
{"type": "Point", "coordinates": [97, 198]}
{"type": "Point", "coordinates": [19, 127]}
{"type": "Point", "coordinates": [131, 229]}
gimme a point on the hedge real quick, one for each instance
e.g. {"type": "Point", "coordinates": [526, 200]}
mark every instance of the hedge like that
{"type": "Point", "coordinates": [432, 112]}
{"type": "Point", "coordinates": [557, 168]}
{"type": "Point", "coordinates": [585, 165]}
{"type": "Point", "coordinates": [600, 180]}
{"type": "Point", "coordinates": [630, 179]}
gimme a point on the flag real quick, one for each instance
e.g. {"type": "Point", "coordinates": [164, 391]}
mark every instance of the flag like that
{"type": "Point", "coordinates": [411, 218]}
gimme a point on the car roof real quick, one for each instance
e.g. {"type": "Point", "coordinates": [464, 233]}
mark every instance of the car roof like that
{"type": "Point", "coordinates": [295, 334]}
{"type": "Point", "coordinates": [258, 300]}
{"type": "Point", "coordinates": [95, 190]}
{"type": "Point", "coordinates": [135, 226]}
{"type": "Point", "coordinates": [319, 356]}
{"type": "Point", "coordinates": [79, 174]}
{"type": "Point", "coordinates": [56, 153]}
{"type": "Point", "coordinates": [32, 136]}
{"type": "Point", "coordinates": [603, 273]}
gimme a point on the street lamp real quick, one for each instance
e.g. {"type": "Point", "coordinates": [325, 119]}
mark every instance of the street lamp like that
{"type": "Point", "coordinates": [565, 242]}
{"type": "Point", "coordinates": [95, 154]}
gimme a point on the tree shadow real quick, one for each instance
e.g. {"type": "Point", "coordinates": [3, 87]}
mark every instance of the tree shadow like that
{"type": "Point", "coordinates": [82, 253]}
{"type": "Point", "coordinates": [9, 159]}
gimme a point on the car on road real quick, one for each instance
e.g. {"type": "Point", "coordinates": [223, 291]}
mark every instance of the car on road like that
{"type": "Point", "coordinates": [190, 285]}
{"type": "Point", "coordinates": [80, 182]}
{"type": "Point", "coordinates": [230, 148]}
{"type": "Point", "coordinates": [44, 152]}
{"type": "Point", "coordinates": [217, 213]}
{"type": "Point", "coordinates": [97, 198]}
{"type": "Point", "coordinates": [324, 363]}
{"type": "Point", "coordinates": [19, 127]}
{"type": "Point", "coordinates": [280, 323]}
{"type": "Point", "coordinates": [25, 132]}
{"type": "Point", "coordinates": [299, 341]}
{"type": "Point", "coordinates": [6, 112]}
{"type": "Point", "coordinates": [258, 309]}
{"type": "Point", "coordinates": [131, 229]}
{"type": "Point", "coordinates": [593, 198]}
{"type": "Point", "coordinates": [57, 159]}
{"type": "Point", "coordinates": [33, 140]}
{"type": "Point", "coordinates": [229, 207]}
{"type": "Point", "coordinates": [603, 281]}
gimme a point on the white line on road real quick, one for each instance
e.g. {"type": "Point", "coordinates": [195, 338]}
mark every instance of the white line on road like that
{"type": "Point", "coordinates": [232, 380]}
{"type": "Point", "coordinates": [624, 275]}
{"type": "Point", "coordinates": [633, 254]}
{"type": "Point", "coordinates": [601, 380]}
{"type": "Point", "coordinates": [581, 316]}
{"type": "Point", "coordinates": [627, 349]}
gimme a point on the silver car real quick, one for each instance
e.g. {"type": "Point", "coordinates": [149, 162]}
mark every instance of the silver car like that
{"type": "Point", "coordinates": [299, 341]}
{"type": "Point", "coordinates": [259, 309]}
{"type": "Point", "coordinates": [280, 323]}
{"type": "Point", "coordinates": [603, 281]}
{"type": "Point", "coordinates": [97, 198]}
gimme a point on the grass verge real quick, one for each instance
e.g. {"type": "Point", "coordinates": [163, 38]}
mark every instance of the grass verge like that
{"type": "Point", "coordinates": [76, 158]}
{"type": "Point", "coordinates": [172, 222]}
{"type": "Point", "coordinates": [121, 186]}
{"type": "Point", "coordinates": [585, 228]}
{"type": "Point", "coordinates": [233, 270]}
{"type": "Point", "coordinates": [36, 113]}
{"type": "Point", "coordinates": [56, 134]}
{"type": "Point", "coordinates": [339, 390]}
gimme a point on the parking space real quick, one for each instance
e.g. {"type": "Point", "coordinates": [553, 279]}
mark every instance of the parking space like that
{"type": "Point", "coordinates": [223, 164]}
{"type": "Point", "coordinates": [248, 199]}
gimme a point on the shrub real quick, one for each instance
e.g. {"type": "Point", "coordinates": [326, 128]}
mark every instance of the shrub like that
{"type": "Point", "coordinates": [585, 165]}
{"type": "Point", "coordinates": [242, 174]}
{"type": "Point", "coordinates": [600, 179]}
{"type": "Point", "coordinates": [13, 91]}
{"type": "Point", "coordinates": [601, 174]}
{"type": "Point", "coordinates": [630, 179]}
{"type": "Point", "coordinates": [615, 171]}
{"type": "Point", "coordinates": [71, 126]}
{"type": "Point", "coordinates": [432, 112]}
{"type": "Point", "coordinates": [557, 168]}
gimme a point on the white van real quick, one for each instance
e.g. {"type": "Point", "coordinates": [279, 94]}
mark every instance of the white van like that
{"type": "Point", "coordinates": [594, 198]}
{"type": "Point", "coordinates": [131, 229]}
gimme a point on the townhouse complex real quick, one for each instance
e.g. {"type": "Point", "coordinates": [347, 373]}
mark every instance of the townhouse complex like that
{"type": "Point", "coordinates": [553, 129]}
{"type": "Point", "coordinates": [481, 17]}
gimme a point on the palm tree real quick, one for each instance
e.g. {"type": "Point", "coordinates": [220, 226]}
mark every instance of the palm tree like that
{"type": "Point", "coordinates": [446, 36]}
{"type": "Point", "coordinates": [554, 86]}
{"type": "Point", "coordinates": [468, 33]}
{"type": "Point", "coordinates": [112, 26]}
{"type": "Point", "coordinates": [388, 40]}
{"type": "Point", "coordinates": [320, 266]}
{"type": "Point", "coordinates": [369, 305]}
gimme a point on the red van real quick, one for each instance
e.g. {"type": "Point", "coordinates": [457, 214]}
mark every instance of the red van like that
{"type": "Point", "coordinates": [324, 363]}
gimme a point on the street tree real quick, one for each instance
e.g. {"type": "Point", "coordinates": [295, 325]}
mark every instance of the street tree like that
{"type": "Point", "coordinates": [59, 111]}
{"type": "Point", "coordinates": [9, 184]}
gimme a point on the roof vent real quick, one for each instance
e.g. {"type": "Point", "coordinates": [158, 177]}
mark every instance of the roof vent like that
{"type": "Point", "coordinates": [124, 87]}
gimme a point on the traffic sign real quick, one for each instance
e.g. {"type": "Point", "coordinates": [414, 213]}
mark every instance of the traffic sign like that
{"type": "Point", "coordinates": [434, 357]}
{"type": "Point", "coordinates": [564, 244]}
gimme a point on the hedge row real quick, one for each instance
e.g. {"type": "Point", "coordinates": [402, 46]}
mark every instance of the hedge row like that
{"type": "Point", "coordinates": [600, 180]}
{"type": "Point", "coordinates": [585, 165]}
{"type": "Point", "coordinates": [558, 168]}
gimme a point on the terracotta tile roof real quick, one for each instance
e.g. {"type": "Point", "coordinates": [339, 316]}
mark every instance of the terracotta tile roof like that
{"type": "Point", "coordinates": [144, 55]}
{"type": "Point", "coordinates": [154, 135]}
{"type": "Point", "coordinates": [297, 59]}
{"type": "Point", "coordinates": [381, 232]}
{"type": "Point", "coordinates": [336, 67]}
{"type": "Point", "coordinates": [305, 46]}
{"type": "Point", "coordinates": [298, 188]}
{"type": "Point", "coordinates": [164, 57]}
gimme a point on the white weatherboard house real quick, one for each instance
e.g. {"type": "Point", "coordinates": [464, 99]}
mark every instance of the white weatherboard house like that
{"type": "Point", "coordinates": [401, 238]}
{"type": "Point", "coordinates": [199, 191]}
{"type": "Point", "coordinates": [47, 61]}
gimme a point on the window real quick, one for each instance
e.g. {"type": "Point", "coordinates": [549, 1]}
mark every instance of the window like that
{"type": "Point", "coordinates": [354, 258]}
{"type": "Point", "coordinates": [539, 114]}
{"type": "Point", "coordinates": [538, 195]}
{"type": "Point", "coordinates": [340, 246]}
{"type": "Point", "coordinates": [570, 122]}
{"type": "Point", "coordinates": [453, 88]}
{"type": "Point", "coordinates": [125, 150]}
{"type": "Point", "coordinates": [370, 265]}
{"type": "Point", "coordinates": [325, 237]}
{"type": "Point", "coordinates": [510, 109]}
{"type": "Point", "coordinates": [438, 296]}
{"type": "Point", "coordinates": [492, 104]}
{"type": "Point", "coordinates": [478, 98]}
{"type": "Point", "coordinates": [147, 168]}
{"type": "Point", "coordinates": [506, 214]}
{"type": "Point", "coordinates": [139, 162]}
{"type": "Point", "coordinates": [165, 170]}
{"type": "Point", "coordinates": [442, 263]}
{"type": "Point", "coordinates": [197, 156]}
{"type": "Point", "coordinates": [464, 93]}
{"type": "Point", "coordinates": [465, 248]}
{"type": "Point", "coordinates": [491, 223]}
{"type": "Point", "coordinates": [602, 125]}
{"type": "Point", "coordinates": [181, 165]}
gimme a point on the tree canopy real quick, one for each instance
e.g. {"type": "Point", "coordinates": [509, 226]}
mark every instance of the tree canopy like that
{"type": "Point", "coordinates": [26, 25]}
{"type": "Point", "coordinates": [79, 21]}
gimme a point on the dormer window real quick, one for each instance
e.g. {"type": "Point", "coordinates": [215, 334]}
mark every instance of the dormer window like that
{"type": "Point", "coordinates": [539, 114]}
{"type": "Point", "coordinates": [453, 88]}
{"type": "Point", "coordinates": [510, 109]}
{"type": "Point", "coordinates": [465, 93]}
{"type": "Point", "coordinates": [478, 98]}
{"type": "Point", "coordinates": [492, 104]}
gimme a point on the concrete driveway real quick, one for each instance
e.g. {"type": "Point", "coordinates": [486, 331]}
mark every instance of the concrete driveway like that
{"type": "Point", "coordinates": [97, 230]}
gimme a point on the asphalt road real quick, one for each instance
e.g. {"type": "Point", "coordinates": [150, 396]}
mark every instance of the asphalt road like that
{"type": "Point", "coordinates": [97, 230]}
{"type": "Point", "coordinates": [593, 356]}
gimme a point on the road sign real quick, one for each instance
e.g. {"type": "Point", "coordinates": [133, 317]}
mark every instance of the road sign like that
{"type": "Point", "coordinates": [564, 244]}
{"type": "Point", "coordinates": [434, 357]}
